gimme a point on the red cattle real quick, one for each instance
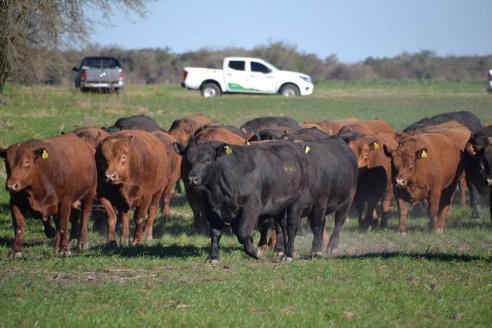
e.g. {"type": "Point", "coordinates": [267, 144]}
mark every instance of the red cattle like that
{"type": "Point", "coordinates": [425, 166]}
{"type": "Point", "coordinates": [367, 127]}
{"type": "Point", "coordinates": [183, 129]}
{"type": "Point", "coordinates": [330, 126]}
{"type": "Point", "coordinates": [50, 177]}
{"type": "Point", "coordinates": [92, 135]}
{"type": "Point", "coordinates": [174, 168]}
{"type": "Point", "coordinates": [375, 180]}
{"type": "Point", "coordinates": [132, 170]}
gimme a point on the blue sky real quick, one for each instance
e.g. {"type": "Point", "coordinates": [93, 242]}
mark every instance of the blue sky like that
{"type": "Point", "coordinates": [351, 29]}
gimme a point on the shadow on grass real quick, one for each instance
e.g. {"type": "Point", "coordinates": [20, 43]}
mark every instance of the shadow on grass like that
{"type": "Point", "coordinates": [163, 251]}
{"type": "Point", "coordinates": [431, 256]}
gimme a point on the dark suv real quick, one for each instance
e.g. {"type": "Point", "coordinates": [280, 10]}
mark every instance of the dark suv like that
{"type": "Point", "coordinates": [99, 74]}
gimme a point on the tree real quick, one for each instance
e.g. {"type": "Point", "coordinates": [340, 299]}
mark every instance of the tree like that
{"type": "Point", "coordinates": [29, 29]}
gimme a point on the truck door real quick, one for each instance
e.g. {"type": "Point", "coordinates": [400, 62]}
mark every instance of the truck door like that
{"type": "Point", "coordinates": [236, 76]}
{"type": "Point", "coordinates": [261, 78]}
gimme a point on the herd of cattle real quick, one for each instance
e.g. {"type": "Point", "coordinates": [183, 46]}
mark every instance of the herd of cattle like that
{"type": "Point", "coordinates": [269, 173]}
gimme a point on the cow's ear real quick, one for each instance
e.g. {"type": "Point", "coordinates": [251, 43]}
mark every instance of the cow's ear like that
{"type": "Point", "coordinates": [223, 150]}
{"type": "Point", "coordinates": [41, 153]}
{"type": "Point", "coordinates": [422, 153]}
{"type": "Point", "coordinates": [179, 148]}
{"type": "Point", "coordinates": [387, 151]}
{"type": "Point", "coordinates": [489, 140]}
{"type": "Point", "coordinates": [3, 152]}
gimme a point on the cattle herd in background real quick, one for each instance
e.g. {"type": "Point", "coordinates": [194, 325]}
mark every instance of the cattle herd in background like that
{"type": "Point", "coordinates": [269, 173]}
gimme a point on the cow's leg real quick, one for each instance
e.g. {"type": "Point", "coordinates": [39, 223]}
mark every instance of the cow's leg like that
{"type": "Point", "coordinates": [403, 213]}
{"type": "Point", "coordinates": [462, 187]}
{"type": "Point", "coordinates": [149, 226]}
{"type": "Point", "coordinates": [215, 234]}
{"type": "Point", "coordinates": [490, 201]}
{"type": "Point", "coordinates": [386, 205]}
{"type": "Point", "coordinates": [125, 227]}
{"type": "Point", "coordinates": [83, 241]}
{"type": "Point", "coordinates": [359, 206]}
{"type": "Point", "coordinates": [474, 201]}
{"type": "Point", "coordinates": [340, 217]}
{"type": "Point", "coordinates": [19, 224]}
{"type": "Point", "coordinates": [139, 218]}
{"type": "Point", "coordinates": [49, 231]}
{"type": "Point", "coordinates": [281, 227]}
{"type": "Point", "coordinates": [317, 223]}
{"type": "Point", "coordinates": [74, 223]}
{"type": "Point", "coordinates": [293, 219]}
{"type": "Point", "coordinates": [264, 227]}
{"type": "Point", "coordinates": [166, 200]}
{"type": "Point", "coordinates": [432, 210]}
{"type": "Point", "coordinates": [62, 246]}
{"type": "Point", "coordinates": [245, 227]}
{"type": "Point", "coordinates": [109, 209]}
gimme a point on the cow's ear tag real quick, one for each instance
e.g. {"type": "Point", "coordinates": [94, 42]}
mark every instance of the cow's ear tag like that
{"type": "Point", "coordinates": [228, 150]}
{"type": "Point", "coordinates": [44, 155]}
{"type": "Point", "coordinates": [307, 149]}
{"type": "Point", "coordinates": [424, 154]}
{"type": "Point", "coordinates": [375, 146]}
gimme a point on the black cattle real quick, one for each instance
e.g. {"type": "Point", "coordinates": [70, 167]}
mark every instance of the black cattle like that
{"type": "Point", "coordinates": [477, 160]}
{"type": "Point", "coordinates": [137, 122]}
{"type": "Point", "coordinates": [332, 180]}
{"type": "Point", "coordinates": [260, 123]}
{"type": "Point", "coordinates": [244, 184]}
{"type": "Point", "coordinates": [468, 119]}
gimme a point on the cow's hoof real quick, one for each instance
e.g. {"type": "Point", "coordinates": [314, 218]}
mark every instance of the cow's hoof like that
{"type": "Point", "coordinates": [83, 246]}
{"type": "Point", "coordinates": [213, 261]}
{"type": "Point", "coordinates": [316, 254]}
{"type": "Point", "coordinates": [137, 242]}
{"type": "Point", "coordinates": [125, 243]}
{"type": "Point", "coordinates": [64, 253]}
{"type": "Point", "coordinates": [439, 231]}
{"type": "Point", "coordinates": [401, 233]}
{"type": "Point", "coordinates": [259, 253]}
{"type": "Point", "coordinates": [287, 259]}
{"type": "Point", "coordinates": [14, 255]}
{"type": "Point", "coordinates": [279, 254]}
{"type": "Point", "coordinates": [112, 244]}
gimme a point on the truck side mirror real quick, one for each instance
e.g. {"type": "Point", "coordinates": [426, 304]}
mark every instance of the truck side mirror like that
{"type": "Point", "coordinates": [75, 69]}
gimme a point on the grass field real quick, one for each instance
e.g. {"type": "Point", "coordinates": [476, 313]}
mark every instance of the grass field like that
{"type": "Point", "coordinates": [378, 279]}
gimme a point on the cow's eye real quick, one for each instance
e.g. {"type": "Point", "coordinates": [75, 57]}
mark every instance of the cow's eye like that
{"type": "Point", "coordinates": [410, 165]}
{"type": "Point", "coordinates": [123, 158]}
{"type": "Point", "coordinates": [27, 162]}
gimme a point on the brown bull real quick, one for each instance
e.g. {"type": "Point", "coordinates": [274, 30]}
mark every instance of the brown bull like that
{"type": "Point", "coordinates": [183, 129]}
{"type": "Point", "coordinates": [50, 177]}
{"type": "Point", "coordinates": [425, 166]}
{"type": "Point", "coordinates": [132, 173]}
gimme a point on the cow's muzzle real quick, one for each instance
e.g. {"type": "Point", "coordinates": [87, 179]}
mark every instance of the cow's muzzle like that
{"type": "Point", "coordinates": [193, 181]}
{"type": "Point", "coordinates": [13, 186]}
{"type": "Point", "coordinates": [111, 177]}
{"type": "Point", "coordinates": [401, 182]}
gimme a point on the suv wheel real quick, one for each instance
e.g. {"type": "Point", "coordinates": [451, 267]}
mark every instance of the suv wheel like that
{"type": "Point", "coordinates": [210, 90]}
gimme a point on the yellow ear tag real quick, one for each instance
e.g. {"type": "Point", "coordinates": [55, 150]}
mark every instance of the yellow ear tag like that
{"type": "Point", "coordinates": [228, 150]}
{"type": "Point", "coordinates": [307, 149]}
{"type": "Point", "coordinates": [424, 154]}
{"type": "Point", "coordinates": [376, 146]}
{"type": "Point", "coordinates": [44, 155]}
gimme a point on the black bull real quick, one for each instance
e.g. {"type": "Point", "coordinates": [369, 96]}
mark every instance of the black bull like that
{"type": "Point", "coordinates": [245, 184]}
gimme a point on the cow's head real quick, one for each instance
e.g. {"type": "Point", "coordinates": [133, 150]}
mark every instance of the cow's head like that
{"type": "Point", "coordinates": [113, 159]}
{"type": "Point", "coordinates": [404, 161]}
{"type": "Point", "coordinates": [200, 160]}
{"type": "Point", "coordinates": [486, 163]}
{"type": "Point", "coordinates": [21, 163]}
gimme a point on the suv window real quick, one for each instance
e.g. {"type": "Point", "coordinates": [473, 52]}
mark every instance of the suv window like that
{"type": "Point", "coordinates": [259, 67]}
{"type": "Point", "coordinates": [100, 62]}
{"type": "Point", "coordinates": [237, 65]}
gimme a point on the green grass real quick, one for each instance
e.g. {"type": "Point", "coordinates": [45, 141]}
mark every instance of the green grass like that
{"type": "Point", "coordinates": [377, 279]}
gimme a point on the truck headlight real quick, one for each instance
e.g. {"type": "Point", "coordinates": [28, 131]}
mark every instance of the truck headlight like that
{"type": "Point", "coordinates": [305, 78]}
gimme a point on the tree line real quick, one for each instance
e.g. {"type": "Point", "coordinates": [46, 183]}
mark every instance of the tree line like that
{"type": "Point", "coordinates": [162, 66]}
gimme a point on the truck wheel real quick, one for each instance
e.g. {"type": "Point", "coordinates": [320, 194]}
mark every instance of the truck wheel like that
{"type": "Point", "coordinates": [210, 90]}
{"type": "Point", "coordinates": [290, 90]}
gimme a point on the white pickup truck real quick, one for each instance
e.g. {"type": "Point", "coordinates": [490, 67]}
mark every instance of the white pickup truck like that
{"type": "Point", "coordinates": [246, 75]}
